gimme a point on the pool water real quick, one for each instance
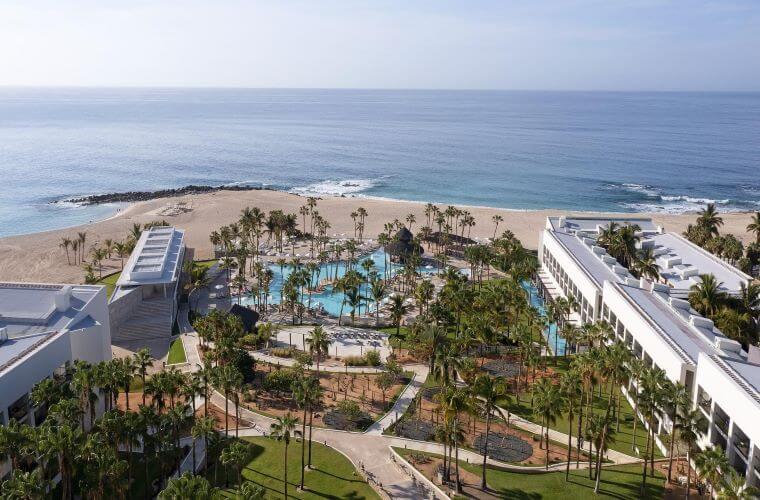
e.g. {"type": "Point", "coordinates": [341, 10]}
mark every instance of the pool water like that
{"type": "Point", "coordinates": [556, 343]}
{"type": "Point", "coordinates": [331, 302]}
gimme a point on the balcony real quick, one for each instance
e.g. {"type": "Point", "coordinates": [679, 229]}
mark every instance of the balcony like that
{"type": "Point", "coordinates": [706, 405]}
{"type": "Point", "coordinates": [742, 447]}
{"type": "Point", "coordinates": [721, 423]}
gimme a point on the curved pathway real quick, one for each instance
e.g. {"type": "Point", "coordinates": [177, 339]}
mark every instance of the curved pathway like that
{"type": "Point", "coordinates": [276, 360]}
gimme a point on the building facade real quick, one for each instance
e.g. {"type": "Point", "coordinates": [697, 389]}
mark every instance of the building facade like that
{"type": "Point", "coordinates": [659, 326]}
{"type": "Point", "coordinates": [43, 330]}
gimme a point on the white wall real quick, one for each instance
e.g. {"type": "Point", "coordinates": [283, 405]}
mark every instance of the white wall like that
{"type": "Point", "coordinates": [576, 273]}
{"type": "Point", "coordinates": [643, 333]}
{"type": "Point", "coordinates": [740, 407]}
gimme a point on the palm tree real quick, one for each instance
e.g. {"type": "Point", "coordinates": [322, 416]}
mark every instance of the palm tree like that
{"type": "Point", "coordinates": [711, 465]}
{"type": "Point", "coordinates": [687, 428]}
{"type": "Point", "coordinates": [707, 297]}
{"type": "Point", "coordinates": [13, 441]}
{"type": "Point", "coordinates": [63, 441]}
{"type": "Point", "coordinates": [27, 486]}
{"type": "Point", "coordinates": [397, 311]}
{"type": "Point", "coordinates": [188, 486]}
{"type": "Point", "coordinates": [646, 265]}
{"type": "Point", "coordinates": [236, 455]}
{"type": "Point", "coordinates": [307, 393]}
{"type": "Point", "coordinates": [571, 387]}
{"type": "Point", "coordinates": [202, 429]}
{"type": "Point", "coordinates": [319, 343]}
{"type": "Point", "coordinates": [282, 430]}
{"type": "Point", "coordinates": [735, 487]}
{"type": "Point", "coordinates": [489, 392]}
{"type": "Point", "coordinates": [454, 401]}
{"type": "Point", "coordinates": [548, 405]}
{"type": "Point", "coordinates": [677, 398]}
{"type": "Point", "coordinates": [496, 220]}
{"type": "Point", "coordinates": [754, 226]}
{"type": "Point", "coordinates": [66, 244]}
{"type": "Point", "coordinates": [602, 435]}
{"type": "Point", "coordinates": [636, 369]}
{"type": "Point", "coordinates": [143, 360]}
{"type": "Point", "coordinates": [709, 219]}
{"type": "Point", "coordinates": [377, 291]}
{"type": "Point", "coordinates": [228, 377]}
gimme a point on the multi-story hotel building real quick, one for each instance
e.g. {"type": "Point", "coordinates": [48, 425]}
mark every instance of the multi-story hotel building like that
{"type": "Point", "coordinates": [659, 326]}
{"type": "Point", "coordinates": [43, 330]}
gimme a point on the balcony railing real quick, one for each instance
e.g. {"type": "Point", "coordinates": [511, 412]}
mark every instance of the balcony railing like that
{"type": "Point", "coordinates": [721, 423]}
{"type": "Point", "coordinates": [742, 446]}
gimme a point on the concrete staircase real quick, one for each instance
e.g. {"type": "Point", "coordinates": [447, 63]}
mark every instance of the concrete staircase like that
{"type": "Point", "coordinates": [151, 320]}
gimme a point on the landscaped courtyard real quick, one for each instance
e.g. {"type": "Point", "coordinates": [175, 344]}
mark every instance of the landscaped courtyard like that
{"type": "Point", "coordinates": [332, 475]}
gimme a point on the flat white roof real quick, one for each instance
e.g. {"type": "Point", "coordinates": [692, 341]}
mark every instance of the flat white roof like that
{"type": "Point", "coordinates": [681, 262]}
{"type": "Point", "coordinates": [36, 308]}
{"type": "Point", "coordinates": [156, 258]}
{"type": "Point", "coordinates": [594, 264]}
{"type": "Point", "coordinates": [32, 313]}
{"type": "Point", "coordinates": [593, 225]}
{"type": "Point", "coordinates": [680, 326]}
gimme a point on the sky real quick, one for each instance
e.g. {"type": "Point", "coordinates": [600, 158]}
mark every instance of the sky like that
{"type": "Point", "coordinates": [429, 44]}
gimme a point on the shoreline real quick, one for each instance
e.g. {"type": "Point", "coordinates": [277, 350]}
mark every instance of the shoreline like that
{"type": "Point", "coordinates": [37, 257]}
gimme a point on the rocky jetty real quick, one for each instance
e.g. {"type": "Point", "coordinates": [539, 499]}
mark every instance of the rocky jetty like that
{"type": "Point", "coordinates": [133, 196]}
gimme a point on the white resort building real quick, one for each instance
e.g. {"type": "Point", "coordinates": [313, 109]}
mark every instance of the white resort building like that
{"type": "Point", "coordinates": [144, 303]}
{"type": "Point", "coordinates": [659, 326]}
{"type": "Point", "coordinates": [44, 329]}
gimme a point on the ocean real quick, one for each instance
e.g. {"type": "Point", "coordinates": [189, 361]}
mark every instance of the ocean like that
{"type": "Point", "coordinates": [610, 151]}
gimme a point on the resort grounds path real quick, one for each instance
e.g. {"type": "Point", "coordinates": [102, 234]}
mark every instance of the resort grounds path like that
{"type": "Point", "coordinates": [616, 457]}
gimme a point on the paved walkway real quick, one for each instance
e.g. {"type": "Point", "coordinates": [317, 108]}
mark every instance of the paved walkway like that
{"type": "Point", "coordinates": [404, 400]}
{"type": "Point", "coordinates": [615, 457]}
{"type": "Point", "coordinates": [276, 360]}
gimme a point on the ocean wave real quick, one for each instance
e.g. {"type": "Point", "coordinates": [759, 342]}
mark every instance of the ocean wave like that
{"type": "Point", "coordinates": [675, 208]}
{"type": "Point", "coordinates": [346, 187]}
{"type": "Point", "coordinates": [644, 189]}
{"type": "Point", "coordinates": [694, 200]}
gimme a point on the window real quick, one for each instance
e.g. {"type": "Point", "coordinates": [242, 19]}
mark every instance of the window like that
{"type": "Point", "coordinates": [19, 410]}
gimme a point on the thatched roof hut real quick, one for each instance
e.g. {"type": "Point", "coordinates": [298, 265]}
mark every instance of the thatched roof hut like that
{"type": "Point", "coordinates": [247, 316]}
{"type": "Point", "coordinates": [403, 245]}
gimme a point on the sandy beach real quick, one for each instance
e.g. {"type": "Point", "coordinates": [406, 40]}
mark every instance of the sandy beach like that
{"type": "Point", "coordinates": [38, 258]}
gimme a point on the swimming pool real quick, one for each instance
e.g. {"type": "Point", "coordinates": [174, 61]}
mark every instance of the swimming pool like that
{"type": "Point", "coordinates": [556, 343]}
{"type": "Point", "coordinates": [331, 302]}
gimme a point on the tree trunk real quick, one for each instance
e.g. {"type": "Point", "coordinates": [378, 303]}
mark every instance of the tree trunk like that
{"type": "Point", "coordinates": [485, 450]}
{"type": "Point", "coordinates": [303, 446]}
{"type": "Point", "coordinates": [569, 444]}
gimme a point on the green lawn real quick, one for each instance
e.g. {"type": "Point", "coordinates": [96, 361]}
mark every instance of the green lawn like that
{"type": "Point", "coordinates": [176, 353]}
{"type": "Point", "coordinates": [110, 282]}
{"type": "Point", "coordinates": [623, 438]}
{"type": "Point", "coordinates": [616, 482]}
{"type": "Point", "coordinates": [332, 474]}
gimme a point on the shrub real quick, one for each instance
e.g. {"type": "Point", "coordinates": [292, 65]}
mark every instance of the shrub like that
{"type": "Point", "coordinates": [372, 357]}
{"type": "Point", "coordinates": [355, 361]}
{"type": "Point", "coordinates": [350, 409]}
{"type": "Point", "coordinates": [280, 380]}
{"type": "Point", "coordinates": [282, 352]}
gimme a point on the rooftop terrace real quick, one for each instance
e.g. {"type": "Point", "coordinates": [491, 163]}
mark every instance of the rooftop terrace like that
{"type": "Point", "coordinates": [156, 258]}
{"type": "Point", "coordinates": [681, 262]}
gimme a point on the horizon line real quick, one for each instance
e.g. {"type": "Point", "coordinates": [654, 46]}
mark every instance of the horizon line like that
{"type": "Point", "coordinates": [387, 89]}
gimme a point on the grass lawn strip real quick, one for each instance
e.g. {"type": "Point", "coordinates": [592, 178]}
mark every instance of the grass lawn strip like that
{"type": "Point", "coordinates": [622, 481]}
{"type": "Point", "coordinates": [332, 474]}
{"type": "Point", "coordinates": [176, 353]}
